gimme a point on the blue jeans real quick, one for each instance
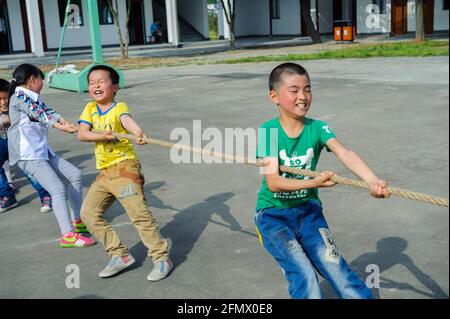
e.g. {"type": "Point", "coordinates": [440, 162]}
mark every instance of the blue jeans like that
{"type": "Point", "coordinates": [41, 190]}
{"type": "Point", "coordinates": [5, 189]}
{"type": "Point", "coordinates": [299, 240]}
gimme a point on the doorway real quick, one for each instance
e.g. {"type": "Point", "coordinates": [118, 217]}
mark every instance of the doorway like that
{"type": "Point", "coordinates": [41, 18]}
{"type": "Point", "coordinates": [399, 9]}
{"type": "Point", "coordinates": [337, 10]}
{"type": "Point", "coordinates": [304, 32]}
{"type": "Point", "coordinates": [136, 24]}
{"type": "Point", "coordinates": [428, 19]}
{"type": "Point", "coordinates": [5, 38]}
{"type": "Point", "coordinates": [345, 10]}
{"type": "Point", "coordinates": [26, 29]}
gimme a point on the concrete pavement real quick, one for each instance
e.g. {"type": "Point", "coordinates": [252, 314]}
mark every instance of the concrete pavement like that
{"type": "Point", "coordinates": [392, 111]}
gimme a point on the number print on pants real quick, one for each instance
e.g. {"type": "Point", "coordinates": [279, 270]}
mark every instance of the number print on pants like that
{"type": "Point", "coordinates": [126, 191]}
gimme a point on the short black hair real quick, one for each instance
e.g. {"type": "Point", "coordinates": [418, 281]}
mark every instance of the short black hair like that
{"type": "Point", "coordinates": [276, 76]}
{"type": "Point", "coordinates": [113, 74]}
{"type": "Point", "coordinates": [4, 85]}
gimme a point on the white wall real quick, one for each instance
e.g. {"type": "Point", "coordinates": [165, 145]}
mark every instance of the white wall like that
{"type": "Point", "coordinates": [411, 16]}
{"type": "Point", "coordinates": [16, 29]}
{"type": "Point", "coordinates": [252, 17]}
{"type": "Point", "coordinates": [290, 17]}
{"type": "Point", "coordinates": [372, 22]}
{"type": "Point", "coordinates": [440, 16]}
{"type": "Point", "coordinates": [325, 16]}
{"type": "Point", "coordinates": [196, 13]}
{"type": "Point", "coordinates": [80, 36]}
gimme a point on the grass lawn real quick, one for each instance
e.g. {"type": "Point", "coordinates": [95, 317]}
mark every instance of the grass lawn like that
{"type": "Point", "coordinates": [395, 49]}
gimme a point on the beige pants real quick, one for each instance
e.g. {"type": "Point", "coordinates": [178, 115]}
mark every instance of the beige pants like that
{"type": "Point", "coordinates": [124, 182]}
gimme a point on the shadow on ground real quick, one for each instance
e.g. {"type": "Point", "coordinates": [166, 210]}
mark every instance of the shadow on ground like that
{"type": "Point", "coordinates": [390, 252]}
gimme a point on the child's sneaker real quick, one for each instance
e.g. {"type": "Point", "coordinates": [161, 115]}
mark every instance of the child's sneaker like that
{"type": "Point", "coordinates": [79, 226]}
{"type": "Point", "coordinates": [73, 239]}
{"type": "Point", "coordinates": [8, 203]}
{"type": "Point", "coordinates": [160, 270]}
{"type": "Point", "coordinates": [116, 265]}
{"type": "Point", "coordinates": [46, 205]}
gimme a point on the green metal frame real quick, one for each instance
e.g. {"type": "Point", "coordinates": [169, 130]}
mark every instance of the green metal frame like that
{"type": "Point", "coordinates": [78, 82]}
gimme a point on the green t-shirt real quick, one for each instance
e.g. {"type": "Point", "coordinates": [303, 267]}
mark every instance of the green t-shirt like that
{"type": "Point", "coordinates": [302, 152]}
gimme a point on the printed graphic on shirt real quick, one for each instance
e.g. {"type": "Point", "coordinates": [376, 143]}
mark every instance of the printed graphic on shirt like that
{"type": "Point", "coordinates": [302, 162]}
{"type": "Point", "coordinates": [327, 129]}
{"type": "Point", "coordinates": [332, 253]}
{"type": "Point", "coordinates": [109, 153]}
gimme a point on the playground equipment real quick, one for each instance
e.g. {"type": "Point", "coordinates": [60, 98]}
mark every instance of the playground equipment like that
{"type": "Point", "coordinates": [77, 81]}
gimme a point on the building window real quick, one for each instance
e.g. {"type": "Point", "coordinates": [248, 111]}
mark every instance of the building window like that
{"type": "Point", "coordinates": [104, 13]}
{"type": "Point", "coordinates": [275, 9]}
{"type": "Point", "coordinates": [381, 5]}
{"type": "Point", "coordinates": [75, 16]}
{"type": "Point", "coordinates": [445, 5]}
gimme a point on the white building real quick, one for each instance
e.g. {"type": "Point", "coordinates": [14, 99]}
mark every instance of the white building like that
{"type": "Point", "coordinates": [282, 17]}
{"type": "Point", "coordinates": [36, 25]}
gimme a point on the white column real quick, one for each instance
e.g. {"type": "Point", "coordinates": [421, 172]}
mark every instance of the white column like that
{"type": "Point", "coordinates": [205, 18]}
{"type": "Point", "coordinates": [34, 24]}
{"type": "Point", "coordinates": [226, 26]}
{"type": "Point", "coordinates": [148, 12]}
{"type": "Point", "coordinates": [172, 22]}
{"type": "Point", "coordinates": [221, 22]}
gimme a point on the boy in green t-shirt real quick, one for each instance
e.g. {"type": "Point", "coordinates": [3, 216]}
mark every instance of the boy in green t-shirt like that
{"type": "Point", "coordinates": [289, 216]}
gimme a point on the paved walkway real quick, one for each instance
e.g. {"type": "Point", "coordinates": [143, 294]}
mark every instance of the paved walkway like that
{"type": "Point", "coordinates": [207, 50]}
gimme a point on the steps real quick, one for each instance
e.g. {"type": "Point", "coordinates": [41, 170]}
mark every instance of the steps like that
{"type": "Point", "coordinates": [187, 32]}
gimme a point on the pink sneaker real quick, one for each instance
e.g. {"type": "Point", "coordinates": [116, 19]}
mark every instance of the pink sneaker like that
{"type": "Point", "coordinates": [46, 205]}
{"type": "Point", "coordinates": [74, 239]}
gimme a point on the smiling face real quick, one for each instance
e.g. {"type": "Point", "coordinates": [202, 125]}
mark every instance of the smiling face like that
{"type": "Point", "coordinates": [294, 96]}
{"type": "Point", "coordinates": [101, 88]}
{"type": "Point", "coordinates": [3, 102]}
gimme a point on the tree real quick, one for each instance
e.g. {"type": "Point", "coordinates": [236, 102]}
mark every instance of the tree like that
{"type": "Point", "coordinates": [114, 10]}
{"type": "Point", "coordinates": [420, 24]}
{"type": "Point", "coordinates": [230, 16]}
{"type": "Point", "coordinates": [306, 14]}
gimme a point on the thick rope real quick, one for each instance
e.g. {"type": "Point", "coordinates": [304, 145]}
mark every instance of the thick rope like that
{"type": "Point", "coordinates": [336, 178]}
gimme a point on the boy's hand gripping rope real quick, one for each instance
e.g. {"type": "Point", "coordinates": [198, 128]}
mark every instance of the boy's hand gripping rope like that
{"type": "Point", "coordinates": [338, 179]}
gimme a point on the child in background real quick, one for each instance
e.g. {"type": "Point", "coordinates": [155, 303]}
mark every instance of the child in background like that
{"type": "Point", "coordinates": [7, 193]}
{"type": "Point", "coordinates": [7, 189]}
{"type": "Point", "coordinates": [29, 148]}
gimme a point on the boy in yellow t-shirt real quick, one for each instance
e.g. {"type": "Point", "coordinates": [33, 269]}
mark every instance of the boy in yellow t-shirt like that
{"type": "Point", "coordinates": [120, 177]}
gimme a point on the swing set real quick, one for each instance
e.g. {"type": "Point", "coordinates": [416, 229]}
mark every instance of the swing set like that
{"type": "Point", "coordinates": [77, 81]}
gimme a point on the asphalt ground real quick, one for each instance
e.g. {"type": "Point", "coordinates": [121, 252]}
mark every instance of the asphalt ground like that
{"type": "Point", "coordinates": [392, 111]}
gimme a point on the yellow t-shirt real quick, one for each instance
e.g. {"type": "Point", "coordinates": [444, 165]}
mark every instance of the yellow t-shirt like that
{"type": "Point", "coordinates": [109, 153]}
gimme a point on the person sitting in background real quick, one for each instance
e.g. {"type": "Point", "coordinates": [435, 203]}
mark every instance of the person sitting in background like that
{"type": "Point", "coordinates": [156, 32]}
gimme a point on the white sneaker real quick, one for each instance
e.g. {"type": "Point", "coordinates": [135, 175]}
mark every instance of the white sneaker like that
{"type": "Point", "coordinates": [116, 265]}
{"type": "Point", "coordinates": [160, 270]}
{"type": "Point", "coordinates": [46, 205]}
